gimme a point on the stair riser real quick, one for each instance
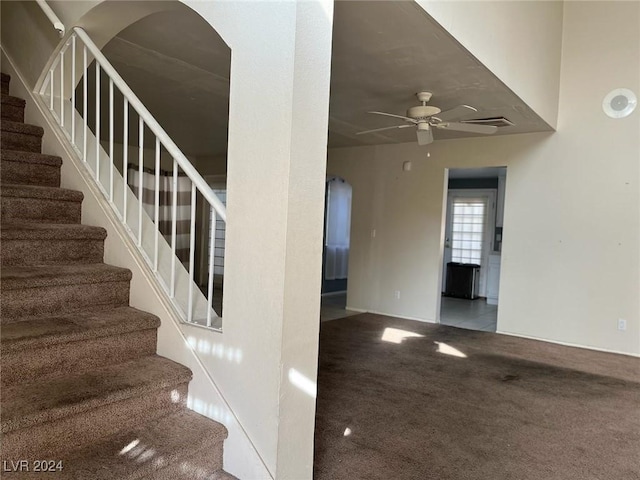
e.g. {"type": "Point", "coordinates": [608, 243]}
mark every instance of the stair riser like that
{"type": "Point", "coordinates": [39, 210]}
{"type": "Point", "coordinates": [200, 465]}
{"type": "Point", "coordinates": [56, 438]}
{"type": "Point", "coordinates": [31, 302]}
{"type": "Point", "coordinates": [19, 173]}
{"type": "Point", "coordinates": [75, 357]}
{"type": "Point", "coordinates": [13, 113]}
{"type": "Point", "coordinates": [21, 141]}
{"type": "Point", "coordinates": [51, 252]}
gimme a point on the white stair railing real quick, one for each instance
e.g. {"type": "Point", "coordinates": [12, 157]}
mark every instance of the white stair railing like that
{"type": "Point", "coordinates": [91, 129]}
{"type": "Point", "coordinates": [53, 18]}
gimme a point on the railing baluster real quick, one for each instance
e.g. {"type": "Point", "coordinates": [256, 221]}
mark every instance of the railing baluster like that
{"type": "Point", "coordinates": [212, 242]}
{"type": "Point", "coordinates": [174, 219]}
{"type": "Point", "coordinates": [157, 205]}
{"type": "Point", "coordinates": [140, 175]}
{"type": "Point", "coordinates": [73, 90]}
{"type": "Point", "coordinates": [62, 88]}
{"type": "Point", "coordinates": [51, 77]}
{"type": "Point", "coordinates": [85, 93]}
{"type": "Point", "coordinates": [192, 250]}
{"type": "Point", "coordinates": [125, 160]}
{"type": "Point", "coordinates": [111, 163]}
{"type": "Point", "coordinates": [217, 209]}
{"type": "Point", "coordinates": [97, 121]}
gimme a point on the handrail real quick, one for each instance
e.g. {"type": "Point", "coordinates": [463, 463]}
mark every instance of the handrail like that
{"type": "Point", "coordinates": [184, 290]}
{"type": "Point", "coordinates": [53, 18]}
{"type": "Point", "coordinates": [154, 126]}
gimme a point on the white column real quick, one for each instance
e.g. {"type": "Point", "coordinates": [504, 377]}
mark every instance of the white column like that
{"type": "Point", "coordinates": [303, 247]}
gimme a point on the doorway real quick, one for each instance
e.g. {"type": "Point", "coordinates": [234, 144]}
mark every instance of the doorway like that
{"type": "Point", "coordinates": [472, 248]}
{"type": "Point", "coordinates": [336, 244]}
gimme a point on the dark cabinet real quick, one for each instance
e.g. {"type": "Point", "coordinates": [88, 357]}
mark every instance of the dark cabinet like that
{"type": "Point", "coordinates": [462, 280]}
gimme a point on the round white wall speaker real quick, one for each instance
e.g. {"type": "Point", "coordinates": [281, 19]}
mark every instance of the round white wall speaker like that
{"type": "Point", "coordinates": [619, 103]}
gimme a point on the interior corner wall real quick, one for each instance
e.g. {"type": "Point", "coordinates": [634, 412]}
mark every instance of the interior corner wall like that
{"type": "Point", "coordinates": [571, 250]}
{"type": "Point", "coordinates": [519, 41]}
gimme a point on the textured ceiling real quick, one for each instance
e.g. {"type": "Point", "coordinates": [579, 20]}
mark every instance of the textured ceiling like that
{"type": "Point", "coordinates": [383, 53]}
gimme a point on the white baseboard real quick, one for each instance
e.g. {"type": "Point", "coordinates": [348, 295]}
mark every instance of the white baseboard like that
{"type": "Point", "coordinates": [568, 344]}
{"type": "Point", "coordinates": [386, 314]}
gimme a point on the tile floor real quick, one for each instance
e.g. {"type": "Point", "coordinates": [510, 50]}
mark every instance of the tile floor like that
{"type": "Point", "coordinates": [455, 312]}
{"type": "Point", "coordinates": [332, 307]}
{"type": "Point", "coordinates": [469, 314]}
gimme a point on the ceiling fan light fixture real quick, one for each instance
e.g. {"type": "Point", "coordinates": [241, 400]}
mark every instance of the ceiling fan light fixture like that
{"type": "Point", "coordinates": [425, 118]}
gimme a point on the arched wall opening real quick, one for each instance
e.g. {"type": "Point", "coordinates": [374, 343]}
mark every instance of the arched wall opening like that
{"type": "Point", "coordinates": [179, 67]}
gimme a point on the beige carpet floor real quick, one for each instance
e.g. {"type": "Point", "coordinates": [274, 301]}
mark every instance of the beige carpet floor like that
{"type": "Point", "coordinates": [406, 400]}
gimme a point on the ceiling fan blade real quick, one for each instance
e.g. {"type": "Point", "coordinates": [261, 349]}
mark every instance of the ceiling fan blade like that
{"type": "Point", "coordinates": [457, 112]}
{"type": "Point", "coordinates": [385, 128]}
{"type": "Point", "coordinates": [425, 137]}
{"type": "Point", "coordinates": [468, 127]}
{"type": "Point", "coordinates": [407, 119]}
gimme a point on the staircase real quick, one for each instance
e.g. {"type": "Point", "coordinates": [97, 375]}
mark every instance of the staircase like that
{"type": "Point", "coordinates": [81, 383]}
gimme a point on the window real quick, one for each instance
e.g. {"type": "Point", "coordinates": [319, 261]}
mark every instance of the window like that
{"type": "Point", "coordinates": [467, 229]}
{"type": "Point", "coordinates": [217, 231]}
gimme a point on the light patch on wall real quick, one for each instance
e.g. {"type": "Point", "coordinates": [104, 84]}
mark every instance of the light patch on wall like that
{"type": "Point", "coordinates": [396, 335]}
{"type": "Point", "coordinates": [216, 412]}
{"type": "Point", "coordinates": [302, 382]}
{"type": "Point", "coordinates": [449, 350]}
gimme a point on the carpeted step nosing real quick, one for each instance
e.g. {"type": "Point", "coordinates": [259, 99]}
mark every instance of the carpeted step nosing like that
{"type": "Point", "coordinates": [52, 399]}
{"type": "Point", "coordinates": [22, 277]}
{"type": "Point", "coordinates": [74, 327]}
{"type": "Point", "coordinates": [39, 192]}
{"type": "Point", "coordinates": [30, 157]}
{"type": "Point", "coordinates": [12, 109]}
{"type": "Point", "coordinates": [14, 101]}
{"type": "Point", "coordinates": [50, 231]}
{"type": "Point", "coordinates": [21, 128]}
{"type": "Point", "coordinates": [144, 451]}
{"type": "Point", "coordinates": [81, 380]}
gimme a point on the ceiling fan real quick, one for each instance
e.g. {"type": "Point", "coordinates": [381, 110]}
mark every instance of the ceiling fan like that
{"type": "Point", "coordinates": [426, 117]}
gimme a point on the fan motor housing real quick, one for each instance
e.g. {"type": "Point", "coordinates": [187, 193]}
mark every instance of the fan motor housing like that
{"type": "Point", "coordinates": [421, 112]}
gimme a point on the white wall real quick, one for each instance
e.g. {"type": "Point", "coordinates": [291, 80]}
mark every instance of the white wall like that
{"type": "Point", "coordinates": [519, 41]}
{"type": "Point", "coordinates": [570, 259]}
{"type": "Point", "coordinates": [265, 362]}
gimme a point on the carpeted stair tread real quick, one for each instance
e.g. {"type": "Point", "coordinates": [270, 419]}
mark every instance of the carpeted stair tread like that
{"type": "Point", "coordinates": [29, 168]}
{"type": "Point", "coordinates": [30, 157]}
{"type": "Point", "coordinates": [73, 327]}
{"type": "Point", "coordinates": [41, 244]}
{"type": "Point", "coordinates": [48, 400]}
{"type": "Point", "coordinates": [144, 451]}
{"type": "Point", "coordinates": [47, 193]}
{"type": "Point", "coordinates": [22, 128]}
{"type": "Point", "coordinates": [9, 100]}
{"type": "Point", "coordinates": [12, 109]}
{"type": "Point", "coordinates": [51, 231]}
{"type": "Point", "coordinates": [54, 275]}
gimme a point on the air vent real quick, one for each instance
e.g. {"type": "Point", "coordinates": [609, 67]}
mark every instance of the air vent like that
{"type": "Point", "coordinates": [494, 121]}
